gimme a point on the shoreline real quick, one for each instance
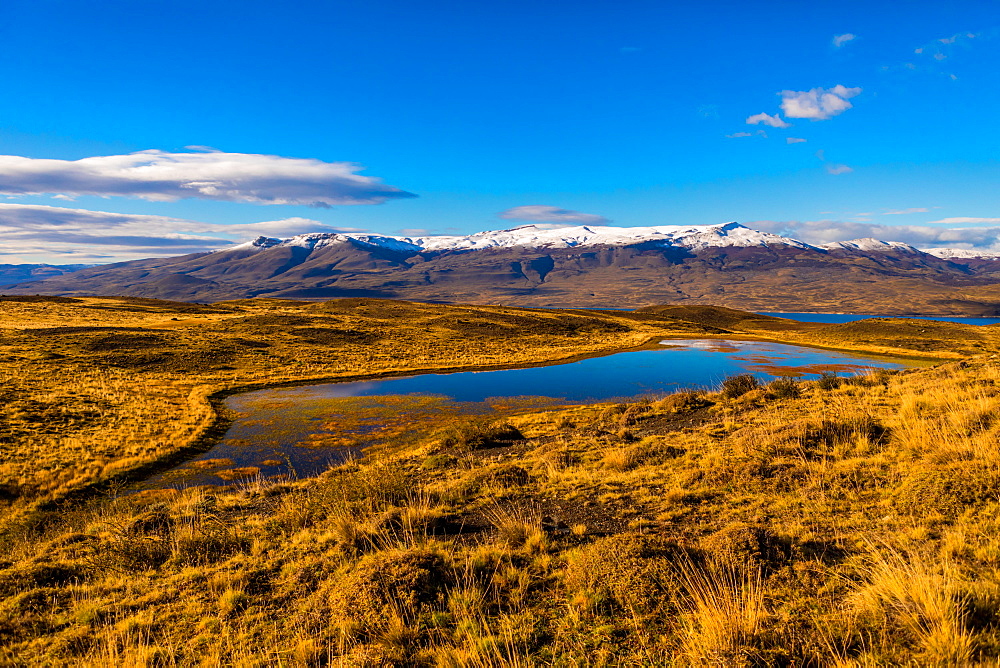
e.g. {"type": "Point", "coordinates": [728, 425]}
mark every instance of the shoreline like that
{"type": "Point", "coordinates": [213, 433]}
{"type": "Point", "coordinates": [208, 435]}
{"type": "Point", "coordinates": [877, 315]}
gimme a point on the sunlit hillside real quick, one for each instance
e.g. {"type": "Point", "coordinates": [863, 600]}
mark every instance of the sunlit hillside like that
{"type": "Point", "coordinates": [845, 521]}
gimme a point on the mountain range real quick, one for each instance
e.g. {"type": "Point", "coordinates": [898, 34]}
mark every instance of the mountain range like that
{"type": "Point", "coordinates": [587, 266]}
{"type": "Point", "coordinates": [19, 273]}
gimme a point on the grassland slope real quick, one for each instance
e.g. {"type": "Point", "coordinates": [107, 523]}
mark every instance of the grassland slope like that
{"type": "Point", "coordinates": [844, 522]}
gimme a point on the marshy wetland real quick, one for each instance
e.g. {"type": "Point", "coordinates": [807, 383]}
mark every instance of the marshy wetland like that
{"type": "Point", "coordinates": [835, 521]}
{"type": "Point", "coordinates": [302, 431]}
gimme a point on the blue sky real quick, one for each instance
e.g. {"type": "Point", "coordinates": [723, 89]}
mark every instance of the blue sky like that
{"type": "Point", "coordinates": [628, 111]}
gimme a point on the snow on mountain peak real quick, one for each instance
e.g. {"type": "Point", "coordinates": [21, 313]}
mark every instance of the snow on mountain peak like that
{"type": "Point", "coordinates": [260, 243]}
{"type": "Point", "coordinates": [692, 237]}
{"type": "Point", "coordinates": [870, 245]}
{"type": "Point", "coordinates": [537, 236]}
{"type": "Point", "coordinates": [963, 253]}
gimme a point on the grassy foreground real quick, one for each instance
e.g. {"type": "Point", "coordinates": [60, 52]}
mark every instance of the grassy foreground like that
{"type": "Point", "coordinates": [829, 523]}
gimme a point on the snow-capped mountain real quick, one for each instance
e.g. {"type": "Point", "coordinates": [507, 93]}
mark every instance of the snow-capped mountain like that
{"type": "Point", "coordinates": [963, 253]}
{"type": "Point", "coordinates": [695, 237]}
{"type": "Point", "coordinates": [727, 264]}
{"type": "Point", "coordinates": [869, 245]}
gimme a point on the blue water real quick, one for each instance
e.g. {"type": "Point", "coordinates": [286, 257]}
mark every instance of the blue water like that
{"type": "Point", "coordinates": [675, 364]}
{"type": "Point", "coordinates": [835, 318]}
{"type": "Point", "coordinates": [285, 426]}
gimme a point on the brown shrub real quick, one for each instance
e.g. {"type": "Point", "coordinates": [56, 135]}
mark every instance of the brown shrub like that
{"type": "Point", "coordinates": [744, 548]}
{"type": "Point", "coordinates": [683, 402]}
{"type": "Point", "coordinates": [950, 489]}
{"type": "Point", "coordinates": [839, 432]}
{"type": "Point", "coordinates": [737, 386]}
{"type": "Point", "coordinates": [39, 575]}
{"type": "Point", "coordinates": [156, 520]}
{"type": "Point", "coordinates": [632, 570]}
{"type": "Point", "coordinates": [508, 474]}
{"type": "Point", "coordinates": [784, 388]}
{"type": "Point", "coordinates": [477, 434]}
{"type": "Point", "coordinates": [386, 585]}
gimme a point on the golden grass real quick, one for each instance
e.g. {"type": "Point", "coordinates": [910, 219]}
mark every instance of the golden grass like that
{"type": "Point", "coordinates": [89, 395]}
{"type": "Point", "coordinates": [852, 525]}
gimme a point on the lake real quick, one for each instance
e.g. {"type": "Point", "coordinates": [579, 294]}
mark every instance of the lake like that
{"type": "Point", "coordinates": [835, 318]}
{"type": "Point", "coordinates": [300, 431]}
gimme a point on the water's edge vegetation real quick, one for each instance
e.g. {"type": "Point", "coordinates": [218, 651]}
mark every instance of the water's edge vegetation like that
{"type": "Point", "coordinates": [833, 522]}
{"type": "Point", "coordinates": [302, 430]}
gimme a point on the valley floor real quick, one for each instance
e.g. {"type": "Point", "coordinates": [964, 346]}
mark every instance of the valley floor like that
{"type": "Point", "coordinates": [840, 522]}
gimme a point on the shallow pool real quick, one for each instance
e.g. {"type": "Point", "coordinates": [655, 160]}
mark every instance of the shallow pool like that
{"type": "Point", "coordinates": [300, 431]}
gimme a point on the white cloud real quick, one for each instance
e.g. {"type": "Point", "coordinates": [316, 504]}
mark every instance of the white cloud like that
{"type": "Point", "coordinates": [818, 104]}
{"type": "Point", "coordinates": [234, 177]}
{"type": "Point", "coordinates": [937, 48]}
{"type": "Point", "coordinates": [774, 121]}
{"type": "Point", "coordinates": [921, 236]}
{"type": "Point", "coordinates": [966, 221]}
{"type": "Point", "coordinates": [901, 212]}
{"type": "Point", "coordinates": [841, 40]}
{"type": "Point", "coordinates": [940, 50]}
{"type": "Point", "coordinates": [838, 169]}
{"type": "Point", "coordinates": [736, 135]}
{"type": "Point", "coordinates": [795, 140]}
{"type": "Point", "coordinates": [284, 228]}
{"type": "Point", "coordinates": [79, 235]}
{"type": "Point", "coordinates": [552, 214]}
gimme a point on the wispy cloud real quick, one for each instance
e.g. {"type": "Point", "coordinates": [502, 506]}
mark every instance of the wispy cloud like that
{"type": "Point", "coordinates": [935, 56]}
{"type": "Point", "coordinates": [903, 212]}
{"type": "Point", "coordinates": [841, 40]}
{"type": "Point", "coordinates": [838, 169]}
{"type": "Point", "coordinates": [773, 121]}
{"type": "Point", "coordinates": [552, 214]}
{"type": "Point", "coordinates": [921, 236]}
{"type": "Point", "coordinates": [817, 104]}
{"type": "Point", "coordinates": [83, 236]}
{"type": "Point", "coordinates": [964, 221]}
{"type": "Point", "coordinates": [942, 48]}
{"type": "Point", "coordinates": [737, 135]}
{"type": "Point", "coordinates": [233, 177]}
{"type": "Point", "coordinates": [795, 140]}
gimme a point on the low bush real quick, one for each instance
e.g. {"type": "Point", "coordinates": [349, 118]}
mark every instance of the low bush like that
{"type": "Point", "coordinates": [387, 585]}
{"type": "Point", "coordinates": [478, 434]}
{"type": "Point", "coordinates": [441, 461]}
{"type": "Point", "coordinates": [828, 380]}
{"type": "Point", "coordinates": [948, 490]}
{"type": "Point", "coordinates": [832, 433]}
{"type": "Point", "coordinates": [737, 386]}
{"type": "Point", "coordinates": [683, 402]}
{"type": "Point", "coordinates": [633, 571]}
{"type": "Point", "coordinates": [784, 388]}
{"type": "Point", "coordinates": [744, 548]}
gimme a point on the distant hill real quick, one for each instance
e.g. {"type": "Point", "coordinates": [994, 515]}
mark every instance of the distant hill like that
{"type": "Point", "coordinates": [591, 266]}
{"type": "Point", "coordinates": [19, 273]}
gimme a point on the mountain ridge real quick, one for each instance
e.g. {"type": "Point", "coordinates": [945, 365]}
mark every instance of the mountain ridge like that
{"type": "Point", "coordinates": [12, 274]}
{"type": "Point", "coordinates": [727, 264]}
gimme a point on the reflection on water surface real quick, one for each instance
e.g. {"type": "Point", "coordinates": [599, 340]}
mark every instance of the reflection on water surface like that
{"type": "Point", "coordinates": [300, 431]}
